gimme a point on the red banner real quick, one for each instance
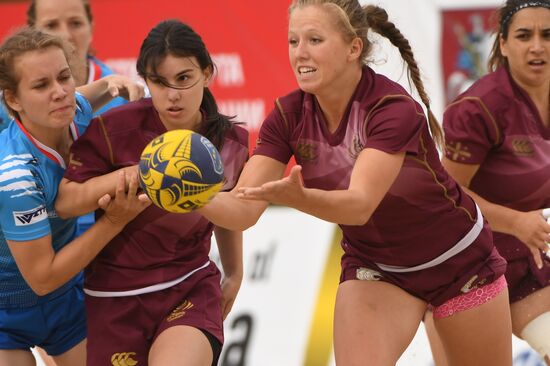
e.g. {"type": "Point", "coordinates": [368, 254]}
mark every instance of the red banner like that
{"type": "Point", "coordinates": [248, 43]}
{"type": "Point", "coordinates": [466, 43]}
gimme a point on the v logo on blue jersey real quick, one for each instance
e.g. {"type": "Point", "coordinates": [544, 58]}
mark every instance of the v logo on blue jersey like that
{"type": "Point", "coordinates": [23, 218]}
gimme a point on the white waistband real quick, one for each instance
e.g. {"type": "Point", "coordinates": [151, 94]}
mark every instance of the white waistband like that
{"type": "Point", "coordinates": [464, 243]}
{"type": "Point", "coordinates": [143, 290]}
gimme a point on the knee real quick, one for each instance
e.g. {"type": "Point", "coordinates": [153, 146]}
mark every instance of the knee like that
{"type": "Point", "coordinates": [536, 334]}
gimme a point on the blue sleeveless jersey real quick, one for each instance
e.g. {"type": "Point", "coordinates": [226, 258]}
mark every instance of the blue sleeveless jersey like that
{"type": "Point", "coordinates": [30, 173]}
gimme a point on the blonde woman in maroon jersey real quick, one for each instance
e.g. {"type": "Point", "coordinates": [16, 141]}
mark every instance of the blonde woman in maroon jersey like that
{"type": "Point", "coordinates": [367, 161]}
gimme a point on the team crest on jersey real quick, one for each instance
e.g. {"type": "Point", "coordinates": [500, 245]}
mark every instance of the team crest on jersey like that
{"type": "Point", "coordinates": [522, 147]}
{"type": "Point", "coordinates": [306, 151]}
{"type": "Point", "coordinates": [23, 218]}
{"type": "Point", "coordinates": [123, 359]}
{"type": "Point", "coordinates": [457, 152]}
{"type": "Point", "coordinates": [179, 311]}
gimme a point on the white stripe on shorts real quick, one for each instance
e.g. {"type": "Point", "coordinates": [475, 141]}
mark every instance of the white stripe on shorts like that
{"type": "Point", "coordinates": [464, 243]}
{"type": "Point", "coordinates": [143, 290]}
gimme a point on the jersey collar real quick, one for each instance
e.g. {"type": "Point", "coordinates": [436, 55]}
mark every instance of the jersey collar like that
{"type": "Point", "coordinates": [46, 150]}
{"type": "Point", "coordinates": [94, 71]}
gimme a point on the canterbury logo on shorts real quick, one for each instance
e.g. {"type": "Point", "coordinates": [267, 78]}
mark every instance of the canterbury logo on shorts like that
{"type": "Point", "coordinates": [123, 359]}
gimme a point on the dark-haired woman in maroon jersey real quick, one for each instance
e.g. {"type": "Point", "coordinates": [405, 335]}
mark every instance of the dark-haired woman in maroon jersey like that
{"type": "Point", "coordinates": [498, 146]}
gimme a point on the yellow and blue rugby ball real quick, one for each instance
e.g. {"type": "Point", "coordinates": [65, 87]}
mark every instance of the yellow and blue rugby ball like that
{"type": "Point", "coordinates": [181, 171]}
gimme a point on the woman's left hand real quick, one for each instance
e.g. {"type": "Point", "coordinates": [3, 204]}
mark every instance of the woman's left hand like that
{"type": "Point", "coordinates": [122, 86]}
{"type": "Point", "coordinates": [285, 191]}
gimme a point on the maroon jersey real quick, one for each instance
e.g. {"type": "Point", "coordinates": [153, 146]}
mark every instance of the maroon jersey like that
{"type": "Point", "coordinates": [423, 214]}
{"type": "Point", "coordinates": [157, 246]}
{"type": "Point", "coordinates": [495, 125]}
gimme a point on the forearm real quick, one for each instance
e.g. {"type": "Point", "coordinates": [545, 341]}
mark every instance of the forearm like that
{"type": "Point", "coordinates": [230, 248]}
{"type": "Point", "coordinates": [75, 199]}
{"type": "Point", "coordinates": [346, 207]}
{"type": "Point", "coordinates": [76, 255]}
{"type": "Point", "coordinates": [97, 93]}
{"type": "Point", "coordinates": [502, 219]}
{"type": "Point", "coordinates": [230, 212]}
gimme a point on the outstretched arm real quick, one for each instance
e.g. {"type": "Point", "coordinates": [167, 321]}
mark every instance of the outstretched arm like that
{"type": "Point", "coordinates": [373, 174]}
{"type": "Point", "coordinates": [44, 270]}
{"type": "Point", "coordinates": [228, 211]}
{"type": "Point", "coordinates": [529, 227]}
{"type": "Point", "coordinates": [103, 90]}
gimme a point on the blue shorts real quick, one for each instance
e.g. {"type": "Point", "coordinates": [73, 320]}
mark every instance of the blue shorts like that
{"type": "Point", "coordinates": [56, 326]}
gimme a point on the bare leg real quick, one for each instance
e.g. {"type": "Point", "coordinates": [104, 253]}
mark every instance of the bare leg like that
{"type": "Point", "coordinates": [478, 336]}
{"type": "Point", "coordinates": [16, 357]}
{"type": "Point", "coordinates": [374, 321]}
{"type": "Point", "coordinates": [76, 356]}
{"type": "Point", "coordinates": [181, 345]}
{"type": "Point", "coordinates": [438, 353]}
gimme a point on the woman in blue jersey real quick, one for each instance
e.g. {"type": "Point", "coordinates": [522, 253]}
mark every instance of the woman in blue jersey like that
{"type": "Point", "coordinates": [41, 299]}
{"type": "Point", "coordinates": [72, 20]}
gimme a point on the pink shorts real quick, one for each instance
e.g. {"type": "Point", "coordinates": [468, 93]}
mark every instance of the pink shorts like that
{"type": "Point", "coordinates": [124, 328]}
{"type": "Point", "coordinates": [470, 300]}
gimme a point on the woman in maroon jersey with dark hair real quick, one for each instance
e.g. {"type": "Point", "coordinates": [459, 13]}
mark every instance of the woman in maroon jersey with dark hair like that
{"type": "Point", "coordinates": [155, 297]}
{"type": "Point", "coordinates": [411, 236]}
{"type": "Point", "coordinates": [498, 146]}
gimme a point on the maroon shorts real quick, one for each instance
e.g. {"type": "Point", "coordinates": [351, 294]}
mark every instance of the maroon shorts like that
{"type": "Point", "coordinates": [121, 329]}
{"type": "Point", "coordinates": [524, 277]}
{"type": "Point", "coordinates": [475, 266]}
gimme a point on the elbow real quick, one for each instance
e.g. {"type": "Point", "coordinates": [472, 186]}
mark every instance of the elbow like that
{"type": "Point", "coordinates": [358, 218]}
{"type": "Point", "coordinates": [61, 211]}
{"type": "Point", "coordinates": [245, 224]}
{"type": "Point", "coordinates": [355, 221]}
{"type": "Point", "coordinates": [240, 225]}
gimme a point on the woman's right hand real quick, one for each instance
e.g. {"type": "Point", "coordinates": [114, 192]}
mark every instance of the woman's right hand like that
{"type": "Point", "coordinates": [126, 205]}
{"type": "Point", "coordinates": [533, 230]}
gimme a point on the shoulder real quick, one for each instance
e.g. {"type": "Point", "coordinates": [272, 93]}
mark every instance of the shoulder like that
{"type": "Point", "coordinates": [12, 141]}
{"type": "Point", "coordinates": [491, 93]}
{"type": "Point", "coordinates": [105, 70]}
{"type": "Point", "coordinates": [291, 103]}
{"type": "Point", "coordinates": [15, 164]}
{"type": "Point", "coordinates": [129, 116]}
{"type": "Point", "coordinates": [238, 134]}
{"type": "Point", "coordinates": [377, 92]}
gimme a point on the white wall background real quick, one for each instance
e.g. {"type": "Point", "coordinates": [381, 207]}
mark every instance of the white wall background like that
{"type": "Point", "coordinates": [419, 22]}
